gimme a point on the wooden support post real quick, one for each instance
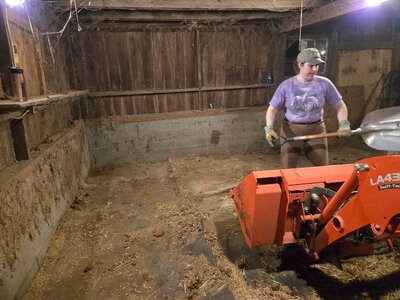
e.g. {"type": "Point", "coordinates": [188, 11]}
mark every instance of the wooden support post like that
{"type": "Point", "coordinates": [199, 71]}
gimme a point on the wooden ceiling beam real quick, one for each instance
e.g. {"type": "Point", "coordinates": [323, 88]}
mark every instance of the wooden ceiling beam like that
{"type": "Point", "coordinates": [324, 13]}
{"type": "Point", "coordinates": [175, 16]}
{"type": "Point", "coordinates": [278, 5]}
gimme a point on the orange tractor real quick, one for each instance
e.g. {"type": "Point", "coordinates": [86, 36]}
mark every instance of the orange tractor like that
{"type": "Point", "coordinates": [346, 209]}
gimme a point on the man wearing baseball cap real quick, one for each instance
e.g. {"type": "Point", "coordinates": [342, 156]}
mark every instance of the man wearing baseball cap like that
{"type": "Point", "coordinates": [303, 97]}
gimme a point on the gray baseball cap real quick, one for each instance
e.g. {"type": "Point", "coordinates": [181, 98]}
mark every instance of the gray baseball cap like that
{"type": "Point", "coordinates": [310, 55]}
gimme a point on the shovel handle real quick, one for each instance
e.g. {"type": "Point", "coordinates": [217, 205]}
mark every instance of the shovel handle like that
{"type": "Point", "coordinates": [379, 129]}
{"type": "Point", "coordinates": [316, 136]}
{"type": "Point", "coordinates": [310, 137]}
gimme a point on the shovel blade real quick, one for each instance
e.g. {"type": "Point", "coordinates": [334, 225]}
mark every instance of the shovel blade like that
{"type": "Point", "coordinates": [383, 140]}
{"type": "Point", "coordinates": [380, 129]}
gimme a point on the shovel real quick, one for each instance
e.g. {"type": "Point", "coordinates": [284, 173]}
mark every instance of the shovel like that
{"type": "Point", "coordinates": [380, 129]}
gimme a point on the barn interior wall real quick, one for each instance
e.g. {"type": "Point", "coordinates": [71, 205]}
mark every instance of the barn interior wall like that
{"type": "Point", "coordinates": [41, 55]}
{"type": "Point", "coordinates": [34, 194]}
{"type": "Point", "coordinates": [129, 72]}
{"type": "Point", "coordinates": [123, 140]}
{"type": "Point", "coordinates": [164, 68]}
{"type": "Point", "coordinates": [24, 131]}
{"type": "Point", "coordinates": [46, 147]}
{"type": "Point", "coordinates": [36, 191]}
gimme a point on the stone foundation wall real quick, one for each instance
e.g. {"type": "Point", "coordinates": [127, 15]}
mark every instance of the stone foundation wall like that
{"type": "Point", "coordinates": [33, 196]}
{"type": "Point", "coordinates": [119, 140]}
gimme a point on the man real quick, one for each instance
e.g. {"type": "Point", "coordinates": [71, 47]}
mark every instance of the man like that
{"type": "Point", "coordinates": [303, 97]}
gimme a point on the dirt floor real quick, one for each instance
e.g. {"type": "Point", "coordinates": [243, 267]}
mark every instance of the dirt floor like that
{"type": "Point", "coordinates": [168, 230]}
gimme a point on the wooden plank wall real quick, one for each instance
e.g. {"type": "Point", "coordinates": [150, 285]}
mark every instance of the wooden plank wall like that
{"type": "Point", "coordinates": [366, 68]}
{"type": "Point", "coordinates": [235, 58]}
{"type": "Point", "coordinates": [53, 61]}
{"type": "Point", "coordinates": [21, 36]}
{"type": "Point", "coordinates": [365, 53]}
{"type": "Point", "coordinates": [133, 105]}
{"type": "Point", "coordinates": [41, 56]}
{"type": "Point", "coordinates": [164, 69]}
{"type": "Point", "coordinates": [127, 61]}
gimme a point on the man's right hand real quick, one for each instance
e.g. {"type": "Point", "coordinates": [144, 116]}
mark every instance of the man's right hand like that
{"type": "Point", "coordinates": [271, 136]}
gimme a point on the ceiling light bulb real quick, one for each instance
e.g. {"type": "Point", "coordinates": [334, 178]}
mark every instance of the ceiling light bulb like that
{"type": "Point", "coordinates": [373, 2]}
{"type": "Point", "coordinates": [12, 3]}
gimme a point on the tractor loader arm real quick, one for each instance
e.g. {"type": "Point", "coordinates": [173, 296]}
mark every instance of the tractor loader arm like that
{"type": "Point", "coordinates": [345, 207]}
{"type": "Point", "coordinates": [376, 204]}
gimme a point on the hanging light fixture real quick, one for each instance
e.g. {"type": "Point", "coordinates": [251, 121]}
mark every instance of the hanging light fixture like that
{"type": "Point", "coordinates": [13, 3]}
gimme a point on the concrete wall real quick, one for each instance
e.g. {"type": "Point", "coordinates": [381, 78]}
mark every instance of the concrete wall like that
{"type": "Point", "coordinates": [114, 141]}
{"type": "Point", "coordinates": [43, 160]}
{"type": "Point", "coordinates": [37, 190]}
{"type": "Point", "coordinates": [33, 196]}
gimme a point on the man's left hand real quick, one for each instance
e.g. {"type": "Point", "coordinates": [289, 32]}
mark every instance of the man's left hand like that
{"type": "Point", "coordinates": [344, 130]}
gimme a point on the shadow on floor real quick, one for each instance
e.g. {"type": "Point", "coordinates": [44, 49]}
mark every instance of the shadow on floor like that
{"type": "Point", "coordinates": [295, 268]}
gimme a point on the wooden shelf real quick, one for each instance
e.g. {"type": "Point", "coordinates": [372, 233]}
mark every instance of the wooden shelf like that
{"type": "Point", "coordinates": [40, 101]}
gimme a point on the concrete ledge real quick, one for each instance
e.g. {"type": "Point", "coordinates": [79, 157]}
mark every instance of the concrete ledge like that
{"type": "Point", "coordinates": [173, 115]}
{"type": "Point", "coordinates": [33, 196]}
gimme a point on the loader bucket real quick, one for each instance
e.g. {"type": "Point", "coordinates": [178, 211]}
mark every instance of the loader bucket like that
{"type": "Point", "coordinates": [258, 199]}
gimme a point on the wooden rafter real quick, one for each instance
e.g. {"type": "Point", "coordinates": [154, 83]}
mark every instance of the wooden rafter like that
{"type": "Point", "coordinates": [327, 12]}
{"type": "Point", "coordinates": [174, 16]}
{"type": "Point", "coordinates": [222, 5]}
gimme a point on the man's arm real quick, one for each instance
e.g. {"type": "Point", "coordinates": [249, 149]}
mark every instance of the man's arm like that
{"type": "Point", "coordinates": [270, 115]}
{"type": "Point", "coordinates": [344, 129]}
{"type": "Point", "coordinates": [341, 111]}
{"type": "Point", "coordinates": [270, 134]}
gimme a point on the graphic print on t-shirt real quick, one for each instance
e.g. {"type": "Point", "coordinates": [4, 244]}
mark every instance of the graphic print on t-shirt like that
{"type": "Point", "coordinates": [305, 102]}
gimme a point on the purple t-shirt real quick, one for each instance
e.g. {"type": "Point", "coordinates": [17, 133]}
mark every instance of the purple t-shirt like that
{"type": "Point", "coordinates": [303, 102]}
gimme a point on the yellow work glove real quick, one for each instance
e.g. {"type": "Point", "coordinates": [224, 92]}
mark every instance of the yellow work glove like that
{"type": "Point", "coordinates": [271, 136]}
{"type": "Point", "coordinates": [344, 130]}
